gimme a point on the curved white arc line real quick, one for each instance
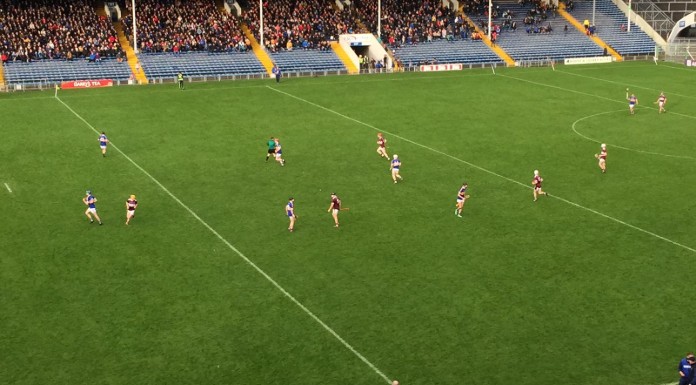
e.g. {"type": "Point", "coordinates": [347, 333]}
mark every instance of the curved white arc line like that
{"type": "Point", "coordinates": [616, 145]}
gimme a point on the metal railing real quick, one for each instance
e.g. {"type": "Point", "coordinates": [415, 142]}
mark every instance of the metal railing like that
{"type": "Point", "coordinates": [653, 15]}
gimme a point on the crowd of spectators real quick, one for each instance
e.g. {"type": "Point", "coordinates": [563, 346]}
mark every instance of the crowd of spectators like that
{"type": "Point", "coordinates": [182, 26]}
{"type": "Point", "coordinates": [300, 24]}
{"type": "Point", "coordinates": [413, 21]}
{"type": "Point", "coordinates": [45, 29]}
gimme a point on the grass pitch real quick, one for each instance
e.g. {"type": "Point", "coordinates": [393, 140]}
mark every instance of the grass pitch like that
{"type": "Point", "coordinates": [588, 286]}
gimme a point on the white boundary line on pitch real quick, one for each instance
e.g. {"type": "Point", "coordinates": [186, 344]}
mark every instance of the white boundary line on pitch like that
{"type": "Point", "coordinates": [239, 253]}
{"type": "Point", "coordinates": [483, 169]}
{"type": "Point", "coordinates": [616, 145]}
{"type": "Point", "coordinates": [7, 186]}
{"type": "Point", "coordinates": [591, 95]}
{"type": "Point", "coordinates": [624, 84]}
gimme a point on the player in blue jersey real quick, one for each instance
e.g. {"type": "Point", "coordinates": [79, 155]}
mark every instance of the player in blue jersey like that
{"type": "Point", "coordinates": [462, 196]}
{"type": "Point", "coordinates": [290, 212]}
{"type": "Point", "coordinates": [91, 202]}
{"type": "Point", "coordinates": [103, 141]}
{"type": "Point", "coordinates": [279, 153]}
{"type": "Point", "coordinates": [394, 167]}
{"type": "Point", "coordinates": [632, 102]}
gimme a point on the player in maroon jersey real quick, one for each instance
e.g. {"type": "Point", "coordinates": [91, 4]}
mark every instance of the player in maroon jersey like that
{"type": "Point", "coordinates": [334, 207]}
{"type": "Point", "coordinates": [536, 182]}
{"type": "Point", "coordinates": [602, 158]}
{"type": "Point", "coordinates": [382, 146]}
{"type": "Point", "coordinates": [131, 205]}
{"type": "Point", "coordinates": [661, 101]}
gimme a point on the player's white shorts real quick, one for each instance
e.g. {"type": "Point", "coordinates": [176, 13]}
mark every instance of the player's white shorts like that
{"type": "Point", "coordinates": [130, 213]}
{"type": "Point", "coordinates": [92, 210]}
{"type": "Point", "coordinates": [335, 211]}
{"type": "Point", "coordinates": [102, 146]}
{"type": "Point", "coordinates": [602, 160]}
{"type": "Point", "coordinates": [661, 104]}
{"type": "Point", "coordinates": [278, 155]}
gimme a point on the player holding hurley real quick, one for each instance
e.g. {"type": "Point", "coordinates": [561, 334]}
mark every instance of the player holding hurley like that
{"type": "Point", "coordinates": [131, 205]}
{"type": "Point", "coordinates": [334, 207]}
{"type": "Point", "coordinates": [632, 102]}
{"type": "Point", "coordinates": [661, 101]}
{"type": "Point", "coordinates": [602, 158]}
{"type": "Point", "coordinates": [382, 146]}
{"type": "Point", "coordinates": [462, 196]}
{"type": "Point", "coordinates": [536, 182]}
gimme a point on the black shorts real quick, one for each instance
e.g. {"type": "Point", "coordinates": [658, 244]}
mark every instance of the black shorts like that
{"type": "Point", "coordinates": [270, 151]}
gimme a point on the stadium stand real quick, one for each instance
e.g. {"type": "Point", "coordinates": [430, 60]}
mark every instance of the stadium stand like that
{"type": "Point", "coordinates": [420, 32]}
{"type": "Point", "coordinates": [298, 33]}
{"type": "Point", "coordinates": [530, 42]}
{"type": "Point", "coordinates": [307, 61]}
{"type": "Point", "coordinates": [611, 27]}
{"type": "Point", "coordinates": [193, 37]}
{"type": "Point", "coordinates": [175, 26]}
{"type": "Point", "coordinates": [200, 64]}
{"type": "Point", "coordinates": [300, 24]}
{"type": "Point", "coordinates": [46, 72]}
{"type": "Point", "coordinates": [44, 29]}
{"type": "Point", "coordinates": [43, 41]}
{"type": "Point", "coordinates": [444, 52]}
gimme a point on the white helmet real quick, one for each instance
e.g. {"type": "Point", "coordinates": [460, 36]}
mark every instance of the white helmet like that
{"type": "Point", "coordinates": [536, 172]}
{"type": "Point", "coordinates": [395, 156]}
{"type": "Point", "coordinates": [604, 145]}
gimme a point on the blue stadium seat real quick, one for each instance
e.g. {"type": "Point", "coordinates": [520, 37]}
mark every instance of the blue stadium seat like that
{"type": "Point", "coordinates": [608, 20]}
{"type": "Point", "coordinates": [55, 71]}
{"type": "Point", "coordinates": [307, 60]}
{"type": "Point", "coordinates": [200, 64]}
{"type": "Point", "coordinates": [556, 45]}
{"type": "Point", "coordinates": [446, 52]}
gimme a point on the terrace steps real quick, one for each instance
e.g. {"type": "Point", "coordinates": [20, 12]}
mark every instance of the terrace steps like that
{"type": "Point", "coordinates": [495, 48]}
{"type": "Point", "coordinates": [341, 53]}
{"type": "Point", "coordinates": [259, 51]}
{"type": "Point", "coordinates": [562, 11]}
{"type": "Point", "coordinates": [2, 77]}
{"type": "Point", "coordinates": [133, 62]}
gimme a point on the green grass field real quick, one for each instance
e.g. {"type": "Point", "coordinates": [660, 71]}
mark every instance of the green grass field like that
{"type": "Point", "coordinates": [588, 286]}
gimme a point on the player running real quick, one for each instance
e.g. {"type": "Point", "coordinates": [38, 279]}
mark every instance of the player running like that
{"type": "Point", "coordinates": [103, 141]}
{"type": "Point", "coordinates": [394, 167]}
{"type": "Point", "coordinates": [334, 207]}
{"type": "Point", "coordinates": [536, 182]}
{"type": "Point", "coordinates": [131, 205]}
{"type": "Point", "coordinates": [279, 153]}
{"type": "Point", "coordinates": [632, 102]}
{"type": "Point", "coordinates": [602, 158]}
{"type": "Point", "coordinates": [462, 196]}
{"type": "Point", "coordinates": [91, 203]}
{"type": "Point", "coordinates": [382, 146]}
{"type": "Point", "coordinates": [271, 148]}
{"type": "Point", "coordinates": [661, 101]}
{"type": "Point", "coordinates": [290, 211]}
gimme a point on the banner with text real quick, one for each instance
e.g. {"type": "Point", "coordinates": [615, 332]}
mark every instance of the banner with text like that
{"type": "Point", "coordinates": [588, 60]}
{"type": "Point", "coordinates": [87, 84]}
{"type": "Point", "coordinates": [441, 67]}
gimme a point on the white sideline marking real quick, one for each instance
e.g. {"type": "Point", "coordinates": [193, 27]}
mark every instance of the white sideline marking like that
{"type": "Point", "coordinates": [241, 255]}
{"type": "Point", "coordinates": [624, 84]}
{"type": "Point", "coordinates": [484, 169]}
{"type": "Point", "coordinates": [591, 95]}
{"type": "Point", "coordinates": [7, 186]}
